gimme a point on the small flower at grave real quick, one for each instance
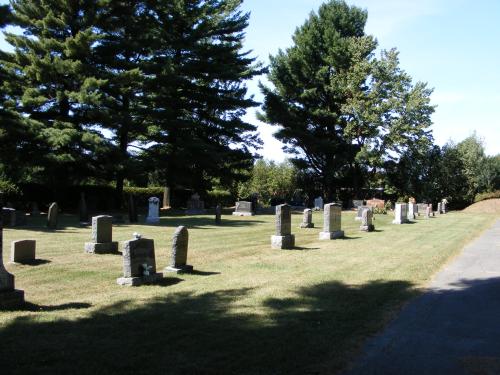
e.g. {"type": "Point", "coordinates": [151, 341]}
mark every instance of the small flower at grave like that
{"type": "Point", "coordinates": [146, 269]}
{"type": "Point", "coordinates": [137, 236]}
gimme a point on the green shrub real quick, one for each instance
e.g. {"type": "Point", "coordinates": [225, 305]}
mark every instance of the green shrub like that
{"type": "Point", "coordinates": [379, 211]}
{"type": "Point", "coordinates": [483, 196]}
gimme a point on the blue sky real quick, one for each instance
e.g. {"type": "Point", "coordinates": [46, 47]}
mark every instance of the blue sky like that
{"type": "Point", "coordinates": [453, 45]}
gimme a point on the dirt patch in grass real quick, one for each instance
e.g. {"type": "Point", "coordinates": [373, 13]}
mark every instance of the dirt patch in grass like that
{"type": "Point", "coordinates": [489, 206]}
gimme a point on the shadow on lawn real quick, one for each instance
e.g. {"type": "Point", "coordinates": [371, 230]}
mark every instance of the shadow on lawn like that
{"type": "Point", "coordinates": [314, 332]}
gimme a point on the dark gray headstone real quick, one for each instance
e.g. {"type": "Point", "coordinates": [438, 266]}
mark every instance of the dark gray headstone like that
{"type": "Point", "coordinates": [82, 209]}
{"type": "Point", "coordinates": [283, 239]}
{"type": "Point", "coordinates": [139, 263]}
{"type": "Point", "coordinates": [22, 251]}
{"type": "Point", "coordinates": [178, 255]}
{"type": "Point", "coordinates": [132, 209]}
{"type": "Point", "coordinates": [218, 214]}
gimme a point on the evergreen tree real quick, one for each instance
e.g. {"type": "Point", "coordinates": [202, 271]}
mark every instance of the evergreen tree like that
{"type": "Point", "coordinates": [50, 69]}
{"type": "Point", "coordinates": [196, 88]}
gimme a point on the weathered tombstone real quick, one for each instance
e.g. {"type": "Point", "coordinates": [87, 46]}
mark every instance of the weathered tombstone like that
{"type": "Point", "coordinates": [132, 209]}
{"type": "Point", "coordinates": [102, 236]}
{"type": "Point", "coordinates": [307, 219]}
{"type": "Point", "coordinates": [438, 210]}
{"type": "Point", "coordinates": [318, 204]}
{"type": "Point", "coordinates": [356, 203]}
{"type": "Point", "coordinates": [367, 221]}
{"type": "Point", "coordinates": [421, 207]}
{"type": "Point", "coordinates": [444, 202]}
{"type": "Point", "coordinates": [166, 198]}
{"type": "Point", "coordinates": [400, 213]}
{"type": "Point", "coordinates": [283, 239]}
{"type": "Point", "coordinates": [359, 213]}
{"type": "Point", "coordinates": [52, 216]}
{"type": "Point", "coordinates": [428, 211]}
{"type": "Point", "coordinates": [82, 210]}
{"type": "Point", "coordinates": [195, 206]}
{"type": "Point", "coordinates": [178, 255]}
{"type": "Point", "coordinates": [153, 211]}
{"type": "Point", "coordinates": [9, 296]}
{"type": "Point", "coordinates": [243, 208]}
{"type": "Point", "coordinates": [376, 203]}
{"type": "Point", "coordinates": [411, 211]}
{"type": "Point", "coordinates": [331, 222]}
{"type": "Point", "coordinates": [139, 264]}
{"type": "Point", "coordinates": [22, 251]}
{"type": "Point", "coordinates": [9, 217]}
{"type": "Point", "coordinates": [218, 214]}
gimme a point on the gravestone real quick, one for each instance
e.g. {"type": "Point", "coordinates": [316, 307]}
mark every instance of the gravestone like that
{"type": "Point", "coordinates": [153, 210]}
{"type": "Point", "coordinates": [421, 207]}
{"type": "Point", "coordinates": [439, 209]}
{"type": "Point", "coordinates": [243, 209]}
{"type": "Point", "coordinates": [318, 204]}
{"type": "Point", "coordinates": [428, 211]}
{"type": "Point", "coordinates": [283, 239]}
{"type": "Point", "coordinates": [166, 198]}
{"type": "Point", "coordinates": [52, 216]}
{"type": "Point", "coordinates": [359, 213]}
{"type": "Point", "coordinates": [132, 209]}
{"type": "Point", "coordinates": [139, 264]}
{"type": "Point", "coordinates": [331, 222]}
{"type": "Point", "coordinates": [444, 202]}
{"type": "Point", "coordinates": [22, 251]}
{"type": "Point", "coordinates": [82, 210]}
{"type": "Point", "coordinates": [9, 217]}
{"type": "Point", "coordinates": [376, 203]}
{"type": "Point", "coordinates": [218, 214]}
{"type": "Point", "coordinates": [400, 213]}
{"type": "Point", "coordinates": [195, 206]}
{"type": "Point", "coordinates": [178, 255]}
{"type": "Point", "coordinates": [356, 203]}
{"type": "Point", "coordinates": [411, 211]}
{"type": "Point", "coordinates": [102, 236]}
{"type": "Point", "coordinates": [367, 221]}
{"type": "Point", "coordinates": [35, 211]}
{"type": "Point", "coordinates": [9, 296]}
{"type": "Point", "coordinates": [307, 219]}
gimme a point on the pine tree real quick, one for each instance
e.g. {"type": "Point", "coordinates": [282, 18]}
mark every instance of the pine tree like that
{"type": "Point", "coordinates": [197, 89]}
{"type": "Point", "coordinates": [51, 70]}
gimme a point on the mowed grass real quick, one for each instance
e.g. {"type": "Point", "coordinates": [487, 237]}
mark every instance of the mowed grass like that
{"type": "Point", "coordinates": [247, 309]}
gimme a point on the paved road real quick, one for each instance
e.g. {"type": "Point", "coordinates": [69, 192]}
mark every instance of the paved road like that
{"type": "Point", "coordinates": [452, 329]}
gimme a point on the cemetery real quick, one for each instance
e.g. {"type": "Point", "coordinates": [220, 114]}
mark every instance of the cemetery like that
{"type": "Point", "coordinates": [182, 192]}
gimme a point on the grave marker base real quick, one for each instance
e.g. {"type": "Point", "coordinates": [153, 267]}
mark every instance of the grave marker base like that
{"type": "Point", "coordinates": [137, 281]}
{"type": "Point", "coordinates": [180, 269]}
{"type": "Point", "coordinates": [331, 235]}
{"type": "Point", "coordinates": [101, 248]}
{"type": "Point", "coordinates": [283, 242]}
{"type": "Point", "coordinates": [11, 298]}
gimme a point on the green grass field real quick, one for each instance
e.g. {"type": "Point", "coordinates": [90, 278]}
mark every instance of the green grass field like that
{"type": "Point", "coordinates": [247, 309]}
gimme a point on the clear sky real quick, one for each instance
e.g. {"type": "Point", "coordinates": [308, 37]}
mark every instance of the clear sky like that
{"type": "Point", "coordinates": [453, 45]}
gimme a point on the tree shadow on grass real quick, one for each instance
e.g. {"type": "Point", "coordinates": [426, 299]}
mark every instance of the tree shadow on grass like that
{"type": "Point", "coordinates": [28, 306]}
{"type": "Point", "coordinates": [316, 331]}
{"type": "Point", "coordinates": [32, 263]}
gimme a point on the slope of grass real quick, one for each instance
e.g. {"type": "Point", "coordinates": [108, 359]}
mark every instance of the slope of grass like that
{"type": "Point", "coordinates": [247, 309]}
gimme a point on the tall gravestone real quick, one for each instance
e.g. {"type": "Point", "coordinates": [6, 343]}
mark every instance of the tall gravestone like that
{"type": "Point", "coordinates": [218, 214]}
{"type": "Point", "coordinates": [400, 213]}
{"type": "Point", "coordinates": [178, 255]}
{"type": "Point", "coordinates": [444, 202]}
{"type": "Point", "coordinates": [52, 216]}
{"type": "Point", "coordinates": [428, 211]}
{"type": "Point", "coordinates": [307, 219]}
{"type": "Point", "coordinates": [359, 213]}
{"type": "Point", "coordinates": [438, 209]}
{"type": "Point", "coordinates": [283, 239]}
{"type": "Point", "coordinates": [243, 208]}
{"type": "Point", "coordinates": [153, 210]}
{"type": "Point", "coordinates": [82, 210]}
{"type": "Point", "coordinates": [411, 211]}
{"type": "Point", "coordinates": [318, 203]}
{"type": "Point", "coordinates": [367, 221]}
{"type": "Point", "coordinates": [166, 198]}
{"type": "Point", "coordinates": [9, 296]}
{"type": "Point", "coordinates": [331, 222]}
{"type": "Point", "coordinates": [132, 209]}
{"type": "Point", "coordinates": [102, 236]}
{"type": "Point", "coordinates": [139, 263]}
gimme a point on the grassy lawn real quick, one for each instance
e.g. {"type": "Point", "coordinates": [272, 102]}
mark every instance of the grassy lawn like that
{"type": "Point", "coordinates": [247, 309]}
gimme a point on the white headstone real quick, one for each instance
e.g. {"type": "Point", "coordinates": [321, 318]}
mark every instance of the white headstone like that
{"type": "Point", "coordinates": [400, 213]}
{"type": "Point", "coordinates": [154, 210]}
